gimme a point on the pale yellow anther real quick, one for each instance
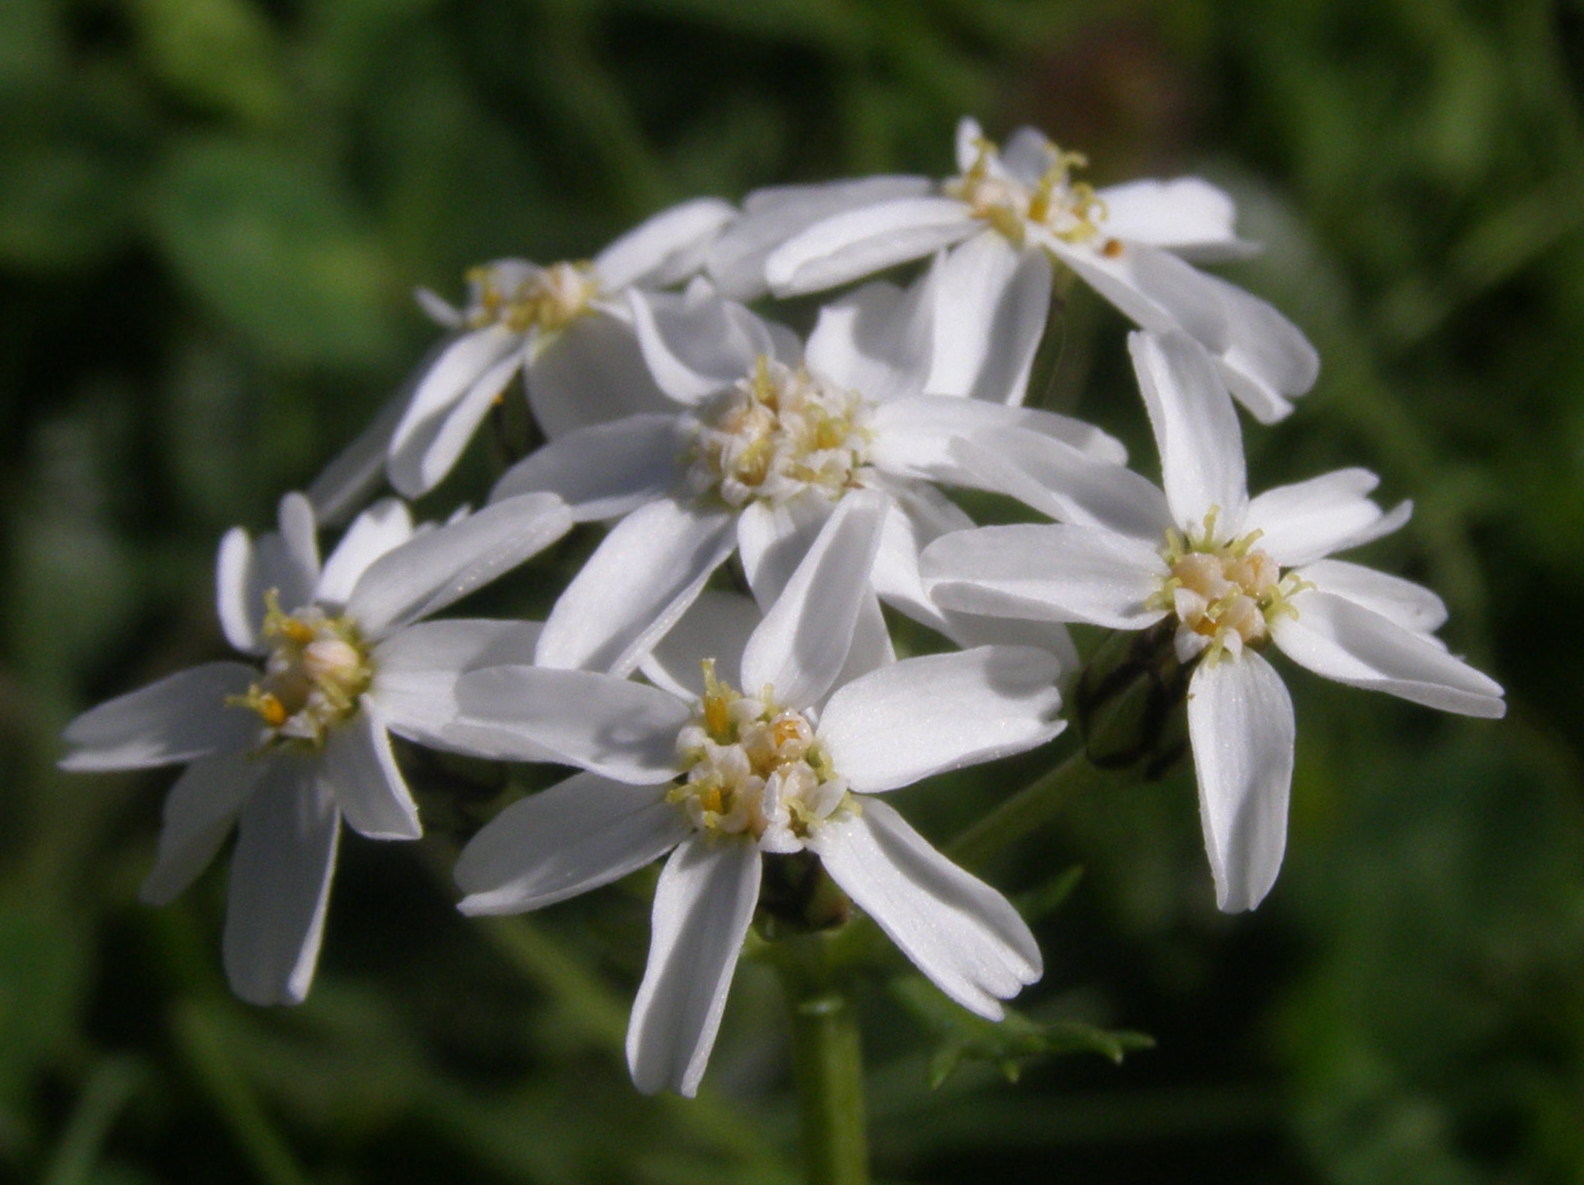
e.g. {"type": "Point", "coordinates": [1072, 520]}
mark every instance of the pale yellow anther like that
{"type": "Point", "coordinates": [543, 298]}
{"type": "Point", "coordinates": [1063, 207]}
{"type": "Point", "coordinates": [316, 669]}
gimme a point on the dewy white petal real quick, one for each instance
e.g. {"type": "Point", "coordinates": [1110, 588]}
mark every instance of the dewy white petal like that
{"type": "Point", "coordinates": [1055, 572]}
{"type": "Point", "coordinates": [1187, 216]}
{"type": "Point", "coordinates": [591, 372]}
{"type": "Point", "coordinates": [348, 481]}
{"type": "Point", "coordinates": [695, 343]}
{"type": "Point", "coordinates": [416, 669]}
{"type": "Point", "coordinates": [383, 526]}
{"type": "Point", "coordinates": [1196, 429]}
{"type": "Point", "coordinates": [1268, 360]}
{"type": "Point", "coordinates": [1336, 638]}
{"type": "Point", "coordinates": [664, 249]}
{"type": "Point", "coordinates": [579, 834]}
{"type": "Point", "coordinates": [955, 928]}
{"type": "Point", "coordinates": [860, 242]}
{"type": "Point", "coordinates": [991, 304]}
{"type": "Point", "coordinates": [178, 718]}
{"type": "Point", "coordinates": [614, 727]}
{"type": "Point", "coordinates": [702, 906]}
{"type": "Point", "coordinates": [424, 450]}
{"type": "Point", "coordinates": [1156, 289]}
{"type": "Point", "coordinates": [876, 341]}
{"type": "Point", "coordinates": [639, 580]}
{"type": "Point", "coordinates": [280, 884]}
{"type": "Point", "coordinates": [603, 471]}
{"type": "Point", "coordinates": [717, 625]}
{"type": "Point", "coordinates": [805, 637]}
{"type": "Point", "coordinates": [926, 715]}
{"type": "Point", "coordinates": [199, 812]}
{"type": "Point", "coordinates": [441, 566]}
{"type": "Point", "coordinates": [239, 591]}
{"type": "Point", "coordinates": [1308, 520]}
{"type": "Point", "coordinates": [1240, 721]}
{"type": "Point", "coordinates": [1409, 605]}
{"type": "Point", "coordinates": [359, 770]}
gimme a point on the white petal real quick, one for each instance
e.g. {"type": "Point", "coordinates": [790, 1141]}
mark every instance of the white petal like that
{"type": "Point", "coordinates": [199, 812]}
{"type": "Point", "coordinates": [1057, 572]}
{"type": "Point", "coordinates": [1336, 638]}
{"type": "Point", "coordinates": [1268, 359]}
{"type": "Point", "coordinates": [289, 560]}
{"type": "Point", "coordinates": [239, 591]}
{"type": "Point", "coordinates": [876, 340]}
{"type": "Point", "coordinates": [344, 484]}
{"type": "Point", "coordinates": [416, 669]}
{"type": "Point", "coordinates": [383, 526]}
{"type": "Point", "coordinates": [1410, 605]}
{"type": "Point", "coordinates": [664, 249]}
{"type": "Point", "coordinates": [1156, 289]}
{"type": "Point", "coordinates": [804, 640]}
{"type": "Point", "coordinates": [1027, 155]}
{"type": "Point", "coordinates": [448, 402]}
{"type": "Point", "coordinates": [1196, 429]}
{"type": "Point", "coordinates": [716, 626]}
{"type": "Point", "coordinates": [702, 907]}
{"type": "Point", "coordinates": [359, 770]}
{"type": "Point", "coordinates": [696, 343]}
{"type": "Point", "coordinates": [1309, 520]}
{"type": "Point", "coordinates": [967, 142]}
{"type": "Point", "coordinates": [990, 309]}
{"type": "Point", "coordinates": [603, 471]}
{"type": "Point", "coordinates": [772, 216]}
{"type": "Point", "coordinates": [772, 540]}
{"type": "Point", "coordinates": [280, 884]}
{"type": "Point", "coordinates": [922, 716]}
{"type": "Point", "coordinates": [869, 239]}
{"type": "Point", "coordinates": [591, 372]}
{"type": "Point", "coordinates": [1188, 216]}
{"type": "Point", "coordinates": [179, 718]}
{"type": "Point", "coordinates": [918, 515]}
{"type": "Point", "coordinates": [639, 580]}
{"type": "Point", "coordinates": [610, 726]}
{"type": "Point", "coordinates": [441, 566]}
{"type": "Point", "coordinates": [955, 928]}
{"type": "Point", "coordinates": [579, 834]}
{"type": "Point", "coordinates": [1240, 721]}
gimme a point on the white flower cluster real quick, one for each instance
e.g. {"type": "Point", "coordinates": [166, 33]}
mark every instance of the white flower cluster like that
{"type": "Point", "coordinates": [730, 731]}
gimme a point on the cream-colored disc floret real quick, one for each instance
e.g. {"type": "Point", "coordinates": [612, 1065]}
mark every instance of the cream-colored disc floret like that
{"type": "Point", "coordinates": [751, 768]}
{"type": "Point", "coordinates": [522, 296]}
{"type": "Point", "coordinates": [1225, 594]}
{"type": "Point", "coordinates": [317, 668]}
{"type": "Point", "coordinates": [1066, 208]}
{"type": "Point", "coordinates": [778, 432]}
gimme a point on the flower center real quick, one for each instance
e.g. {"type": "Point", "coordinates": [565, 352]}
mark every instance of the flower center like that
{"type": "Point", "coordinates": [522, 296]}
{"type": "Point", "coordinates": [1225, 594]}
{"type": "Point", "coordinates": [316, 670]}
{"type": "Point", "coordinates": [777, 433]}
{"type": "Point", "coordinates": [1066, 208]}
{"type": "Point", "coordinates": [750, 767]}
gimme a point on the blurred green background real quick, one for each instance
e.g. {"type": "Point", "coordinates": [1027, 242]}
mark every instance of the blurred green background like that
{"type": "Point", "coordinates": [212, 214]}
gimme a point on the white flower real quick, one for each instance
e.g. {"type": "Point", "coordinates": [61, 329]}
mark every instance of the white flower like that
{"type": "Point", "coordinates": [1007, 216]}
{"type": "Point", "coordinates": [564, 326]}
{"type": "Point", "coordinates": [1235, 573]}
{"type": "Point", "coordinates": [285, 751]}
{"type": "Point", "coordinates": [717, 776]}
{"type": "Point", "coordinates": [761, 443]}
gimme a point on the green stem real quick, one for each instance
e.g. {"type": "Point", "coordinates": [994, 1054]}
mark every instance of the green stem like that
{"type": "Point", "coordinates": [827, 1065]}
{"type": "Point", "coordinates": [1031, 807]}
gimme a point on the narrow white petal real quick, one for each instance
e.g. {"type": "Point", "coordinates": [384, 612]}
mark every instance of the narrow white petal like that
{"type": "Point", "coordinates": [716, 626]}
{"type": "Point", "coordinates": [1410, 605]}
{"type": "Point", "coordinates": [1269, 360]}
{"type": "Point", "coordinates": [702, 907]}
{"type": "Point", "coordinates": [416, 669]}
{"type": "Point", "coordinates": [1057, 572]}
{"type": "Point", "coordinates": [1196, 428]}
{"type": "Point", "coordinates": [178, 718]}
{"type": "Point", "coordinates": [858, 243]}
{"type": "Point", "coordinates": [579, 834]}
{"type": "Point", "coordinates": [956, 929]}
{"type": "Point", "coordinates": [199, 812]}
{"type": "Point", "coordinates": [280, 884]}
{"type": "Point", "coordinates": [383, 526]}
{"type": "Point", "coordinates": [922, 716]}
{"type": "Point", "coordinates": [1187, 215]}
{"type": "Point", "coordinates": [289, 561]}
{"type": "Point", "coordinates": [610, 726]}
{"type": "Point", "coordinates": [966, 142]}
{"type": "Point", "coordinates": [696, 343]}
{"type": "Point", "coordinates": [441, 566]}
{"type": "Point", "coordinates": [639, 580]}
{"type": "Point", "coordinates": [990, 309]}
{"type": "Point", "coordinates": [348, 481]}
{"type": "Point", "coordinates": [772, 540]}
{"type": "Point", "coordinates": [1156, 289]}
{"type": "Point", "coordinates": [239, 591]}
{"type": "Point", "coordinates": [876, 340]}
{"type": "Point", "coordinates": [592, 372]}
{"type": "Point", "coordinates": [359, 770]}
{"type": "Point", "coordinates": [425, 448]}
{"type": "Point", "coordinates": [804, 640]}
{"type": "Point", "coordinates": [664, 249]}
{"type": "Point", "coordinates": [1027, 154]}
{"type": "Point", "coordinates": [1347, 642]}
{"type": "Point", "coordinates": [1240, 721]}
{"type": "Point", "coordinates": [918, 515]}
{"type": "Point", "coordinates": [603, 471]}
{"type": "Point", "coordinates": [1308, 520]}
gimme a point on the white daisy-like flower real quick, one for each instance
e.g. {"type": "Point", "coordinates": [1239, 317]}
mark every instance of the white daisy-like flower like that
{"type": "Point", "coordinates": [285, 749]}
{"type": "Point", "coordinates": [792, 762]}
{"type": "Point", "coordinates": [1008, 216]}
{"type": "Point", "coordinates": [1235, 573]}
{"type": "Point", "coordinates": [564, 326]}
{"type": "Point", "coordinates": [762, 441]}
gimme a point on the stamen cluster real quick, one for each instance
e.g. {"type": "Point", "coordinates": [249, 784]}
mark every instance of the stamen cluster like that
{"type": "Point", "coordinates": [521, 296]}
{"type": "Point", "coordinates": [1068, 209]}
{"type": "Point", "coordinates": [316, 670]}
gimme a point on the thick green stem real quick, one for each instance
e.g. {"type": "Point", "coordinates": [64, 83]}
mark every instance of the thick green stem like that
{"type": "Point", "coordinates": [1031, 807]}
{"type": "Point", "coordinates": [827, 1064]}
